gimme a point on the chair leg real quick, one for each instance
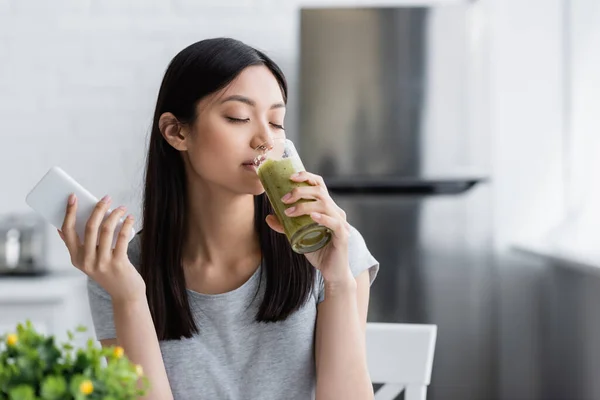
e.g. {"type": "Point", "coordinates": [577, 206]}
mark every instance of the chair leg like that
{"type": "Point", "coordinates": [414, 392]}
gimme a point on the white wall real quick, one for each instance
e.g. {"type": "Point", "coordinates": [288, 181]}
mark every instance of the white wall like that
{"type": "Point", "coordinates": [526, 116]}
{"type": "Point", "coordinates": [544, 104]}
{"type": "Point", "coordinates": [584, 100]}
{"type": "Point", "coordinates": [78, 82]}
{"type": "Point", "coordinates": [577, 235]}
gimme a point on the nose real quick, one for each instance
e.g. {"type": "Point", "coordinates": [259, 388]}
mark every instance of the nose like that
{"type": "Point", "coordinates": [263, 139]}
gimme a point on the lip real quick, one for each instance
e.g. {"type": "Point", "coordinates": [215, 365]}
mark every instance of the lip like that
{"type": "Point", "coordinates": [249, 165]}
{"type": "Point", "coordinates": [256, 161]}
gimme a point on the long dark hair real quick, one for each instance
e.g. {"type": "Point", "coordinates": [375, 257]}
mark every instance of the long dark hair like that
{"type": "Point", "coordinates": [197, 71]}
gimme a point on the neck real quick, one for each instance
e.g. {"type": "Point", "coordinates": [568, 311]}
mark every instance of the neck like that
{"type": "Point", "coordinates": [218, 222]}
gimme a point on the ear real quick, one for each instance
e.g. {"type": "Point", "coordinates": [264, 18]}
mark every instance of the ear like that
{"type": "Point", "coordinates": [173, 131]}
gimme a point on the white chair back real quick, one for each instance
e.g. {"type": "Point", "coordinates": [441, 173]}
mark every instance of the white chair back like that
{"type": "Point", "coordinates": [401, 357]}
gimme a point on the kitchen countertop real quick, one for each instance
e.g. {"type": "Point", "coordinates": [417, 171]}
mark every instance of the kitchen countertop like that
{"type": "Point", "coordinates": [50, 287]}
{"type": "Point", "coordinates": [558, 256]}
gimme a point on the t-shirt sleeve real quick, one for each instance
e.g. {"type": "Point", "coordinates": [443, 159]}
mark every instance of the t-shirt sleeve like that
{"type": "Point", "coordinates": [360, 260]}
{"type": "Point", "coordinates": [102, 311]}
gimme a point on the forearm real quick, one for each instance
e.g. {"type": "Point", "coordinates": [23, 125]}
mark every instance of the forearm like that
{"type": "Point", "coordinates": [136, 334]}
{"type": "Point", "coordinates": [341, 365]}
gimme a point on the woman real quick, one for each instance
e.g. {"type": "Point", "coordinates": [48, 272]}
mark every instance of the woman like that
{"type": "Point", "coordinates": [208, 297]}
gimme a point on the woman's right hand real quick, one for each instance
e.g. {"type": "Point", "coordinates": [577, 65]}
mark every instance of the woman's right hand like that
{"type": "Point", "coordinates": [110, 268]}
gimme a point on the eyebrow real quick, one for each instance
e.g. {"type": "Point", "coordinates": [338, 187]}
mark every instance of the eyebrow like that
{"type": "Point", "coordinates": [248, 101]}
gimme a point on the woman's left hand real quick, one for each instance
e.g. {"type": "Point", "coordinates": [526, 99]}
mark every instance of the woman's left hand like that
{"type": "Point", "coordinates": [331, 260]}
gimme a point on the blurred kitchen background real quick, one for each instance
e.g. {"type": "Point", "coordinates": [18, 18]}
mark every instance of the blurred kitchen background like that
{"type": "Point", "coordinates": [460, 136]}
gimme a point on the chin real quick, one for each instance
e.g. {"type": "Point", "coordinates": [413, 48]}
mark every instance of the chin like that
{"type": "Point", "coordinates": [258, 190]}
{"type": "Point", "coordinates": [254, 188]}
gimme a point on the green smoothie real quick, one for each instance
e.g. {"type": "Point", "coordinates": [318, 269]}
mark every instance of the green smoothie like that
{"type": "Point", "coordinates": [304, 234]}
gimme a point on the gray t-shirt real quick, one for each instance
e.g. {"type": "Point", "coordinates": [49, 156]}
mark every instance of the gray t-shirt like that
{"type": "Point", "coordinates": [234, 357]}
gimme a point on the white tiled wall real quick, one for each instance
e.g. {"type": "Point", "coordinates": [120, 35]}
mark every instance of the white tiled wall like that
{"type": "Point", "coordinates": [79, 80]}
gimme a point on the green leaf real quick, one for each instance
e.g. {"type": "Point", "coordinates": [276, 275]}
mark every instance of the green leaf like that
{"type": "Point", "coordinates": [81, 362]}
{"type": "Point", "coordinates": [74, 386]}
{"type": "Point", "coordinates": [48, 354]}
{"type": "Point", "coordinates": [22, 392]}
{"type": "Point", "coordinates": [36, 365]}
{"type": "Point", "coordinates": [28, 370]}
{"type": "Point", "coordinates": [81, 328]}
{"type": "Point", "coordinates": [54, 388]}
{"type": "Point", "coordinates": [67, 347]}
{"type": "Point", "coordinates": [70, 336]}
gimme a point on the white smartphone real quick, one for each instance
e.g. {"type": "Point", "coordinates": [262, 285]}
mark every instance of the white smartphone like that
{"type": "Point", "coordinates": [50, 195]}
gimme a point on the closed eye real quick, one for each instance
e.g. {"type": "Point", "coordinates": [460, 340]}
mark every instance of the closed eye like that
{"type": "Point", "coordinates": [243, 120]}
{"type": "Point", "coordinates": [238, 120]}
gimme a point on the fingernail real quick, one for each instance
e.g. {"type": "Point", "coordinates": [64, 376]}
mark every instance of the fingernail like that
{"type": "Point", "coordinates": [286, 197]}
{"type": "Point", "coordinates": [72, 198]}
{"type": "Point", "coordinates": [122, 208]}
{"type": "Point", "coordinates": [315, 215]}
{"type": "Point", "coordinates": [290, 210]}
{"type": "Point", "coordinates": [295, 175]}
{"type": "Point", "coordinates": [105, 199]}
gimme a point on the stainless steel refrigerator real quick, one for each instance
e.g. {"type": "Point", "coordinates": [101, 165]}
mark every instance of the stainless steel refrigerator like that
{"type": "Point", "coordinates": [383, 116]}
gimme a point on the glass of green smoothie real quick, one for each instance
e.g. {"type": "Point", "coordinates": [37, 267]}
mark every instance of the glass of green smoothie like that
{"type": "Point", "coordinates": [274, 166]}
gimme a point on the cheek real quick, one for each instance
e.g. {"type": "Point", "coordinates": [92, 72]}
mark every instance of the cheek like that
{"type": "Point", "coordinates": [214, 156]}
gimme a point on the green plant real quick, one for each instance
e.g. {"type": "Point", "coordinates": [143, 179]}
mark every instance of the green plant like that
{"type": "Point", "coordinates": [34, 367]}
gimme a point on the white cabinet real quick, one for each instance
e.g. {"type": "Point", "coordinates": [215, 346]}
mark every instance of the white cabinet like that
{"type": "Point", "coordinates": [54, 304]}
{"type": "Point", "coordinates": [41, 315]}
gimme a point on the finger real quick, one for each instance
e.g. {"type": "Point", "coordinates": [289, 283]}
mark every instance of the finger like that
{"type": "Point", "coordinates": [93, 224]}
{"type": "Point", "coordinates": [312, 179]}
{"type": "Point", "coordinates": [123, 238]}
{"type": "Point", "coordinates": [62, 237]}
{"type": "Point", "coordinates": [107, 232]}
{"type": "Point", "coordinates": [312, 193]}
{"type": "Point", "coordinates": [274, 224]}
{"type": "Point", "coordinates": [341, 212]}
{"type": "Point", "coordinates": [337, 226]}
{"type": "Point", "coordinates": [306, 207]}
{"type": "Point", "coordinates": [304, 192]}
{"type": "Point", "coordinates": [72, 241]}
